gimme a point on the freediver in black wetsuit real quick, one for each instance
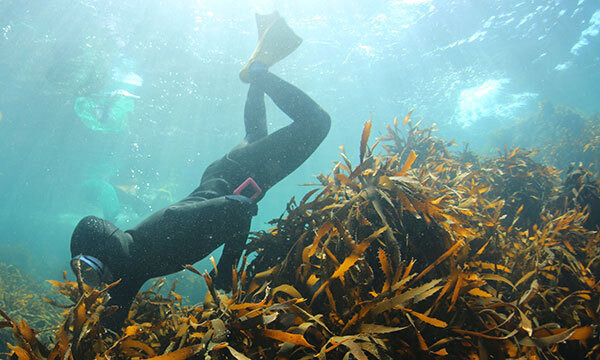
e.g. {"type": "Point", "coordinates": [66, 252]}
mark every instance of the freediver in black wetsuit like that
{"type": "Point", "coordinates": [220, 210]}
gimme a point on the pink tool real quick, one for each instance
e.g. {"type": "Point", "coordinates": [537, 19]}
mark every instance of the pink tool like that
{"type": "Point", "coordinates": [249, 181]}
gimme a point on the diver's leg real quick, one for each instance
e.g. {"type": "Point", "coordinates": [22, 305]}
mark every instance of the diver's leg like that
{"type": "Point", "coordinates": [273, 157]}
{"type": "Point", "coordinates": [255, 116]}
{"type": "Point", "coordinates": [292, 101]}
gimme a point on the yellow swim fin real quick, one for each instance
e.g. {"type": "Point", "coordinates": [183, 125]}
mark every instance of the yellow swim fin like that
{"type": "Point", "coordinates": [276, 40]}
{"type": "Point", "coordinates": [263, 22]}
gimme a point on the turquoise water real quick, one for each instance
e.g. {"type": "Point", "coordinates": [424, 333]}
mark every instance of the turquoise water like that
{"type": "Point", "coordinates": [115, 108]}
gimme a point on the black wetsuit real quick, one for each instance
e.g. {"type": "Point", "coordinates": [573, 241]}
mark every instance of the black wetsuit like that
{"type": "Point", "coordinates": [210, 216]}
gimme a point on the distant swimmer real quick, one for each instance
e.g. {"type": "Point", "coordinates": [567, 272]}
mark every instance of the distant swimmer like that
{"type": "Point", "coordinates": [220, 210]}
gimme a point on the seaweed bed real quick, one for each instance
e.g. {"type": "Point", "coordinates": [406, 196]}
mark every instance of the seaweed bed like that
{"type": "Point", "coordinates": [417, 253]}
{"type": "Point", "coordinates": [21, 296]}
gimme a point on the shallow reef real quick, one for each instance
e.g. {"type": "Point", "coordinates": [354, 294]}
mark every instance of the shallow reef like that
{"type": "Point", "coordinates": [563, 135]}
{"type": "Point", "coordinates": [418, 252]}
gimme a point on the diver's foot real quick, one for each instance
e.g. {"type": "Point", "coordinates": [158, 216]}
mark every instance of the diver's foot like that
{"type": "Point", "coordinates": [276, 40]}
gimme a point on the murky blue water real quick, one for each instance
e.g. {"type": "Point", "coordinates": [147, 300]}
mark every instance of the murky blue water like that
{"type": "Point", "coordinates": [115, 108]}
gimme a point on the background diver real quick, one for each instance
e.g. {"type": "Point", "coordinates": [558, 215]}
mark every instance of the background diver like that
{"type": "Point", "coordinates": [221, 208]}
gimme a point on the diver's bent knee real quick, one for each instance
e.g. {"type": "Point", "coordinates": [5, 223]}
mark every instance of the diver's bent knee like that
{"type": "Point", "coordinates": [322, 124]}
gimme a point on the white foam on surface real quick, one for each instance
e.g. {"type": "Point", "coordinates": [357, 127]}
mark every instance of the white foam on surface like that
{"type": "Point", "coordinates": [564, 66]}
{"type": "Point", "coordinates": [489, 100]}
{"type": "Point", "coordinates": [591, 31]}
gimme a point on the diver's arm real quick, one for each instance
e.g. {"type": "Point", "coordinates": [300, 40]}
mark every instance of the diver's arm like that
{"type": "Point", "coordinates": [234, 246]}
{"type": "Point", "coordinates": [121, 296]}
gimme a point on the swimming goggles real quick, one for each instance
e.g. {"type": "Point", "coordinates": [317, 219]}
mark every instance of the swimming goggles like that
{"type": "Point", "coordinates": [93, 272]}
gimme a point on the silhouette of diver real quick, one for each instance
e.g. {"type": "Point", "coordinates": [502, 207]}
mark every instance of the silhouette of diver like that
{"type": "Point", "coordinates": [220, 210]}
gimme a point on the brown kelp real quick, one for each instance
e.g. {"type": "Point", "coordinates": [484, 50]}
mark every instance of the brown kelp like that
{"type": "Point", "coordinates": [419, 252]}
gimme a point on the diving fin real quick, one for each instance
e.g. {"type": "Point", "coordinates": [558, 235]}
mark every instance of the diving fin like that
{"type": "Point", "coordinates": [276, 40]}
{"type": "Point", "coordinates": [264, 21]}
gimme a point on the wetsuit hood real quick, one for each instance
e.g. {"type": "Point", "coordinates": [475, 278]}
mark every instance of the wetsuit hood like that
{"type": "Point", "coordinates": [101, 239]}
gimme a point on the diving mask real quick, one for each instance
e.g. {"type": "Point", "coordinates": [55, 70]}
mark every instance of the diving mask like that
{"type": "Point", "coordinates": [93, 272]}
